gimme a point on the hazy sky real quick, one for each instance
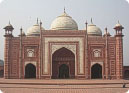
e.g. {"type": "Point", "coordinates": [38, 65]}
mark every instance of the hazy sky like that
{"type": "Point", "coordinates": [105, 13]}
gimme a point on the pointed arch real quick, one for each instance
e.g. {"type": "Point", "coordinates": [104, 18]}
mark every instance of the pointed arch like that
{"type": "Point", "coordinates": [66, 58]}
{"type": "Point", "coordinates": [69, 47]}
{"type": "Point", "coordinates": [96, 71]}
{"type": "Point", "coordinates": [64, 52]}
{"type": "Point", "coordinates": [30, 71]}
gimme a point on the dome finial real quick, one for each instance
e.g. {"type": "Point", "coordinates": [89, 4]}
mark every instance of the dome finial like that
{"type": "Point", "coordinates": [86, 22]}
{"type": "Point", "coordinates": [64, 9]}
{"type": "Point", "coordinates": [40, 23]}
{"type": "Point", "coordinates": [91, 21]}
{"type": "Point", "coordinates": [21, 28]}
{"type": "Point", "coordinates": [106, 30]}
{"type": "Point", "coordinates": [9, 23]}
{"type": "Point", "coordinates": [37, 21]}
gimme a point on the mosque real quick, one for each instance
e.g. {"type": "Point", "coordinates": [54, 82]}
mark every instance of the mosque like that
{"type": "Point", "coordinates": [64, 51]}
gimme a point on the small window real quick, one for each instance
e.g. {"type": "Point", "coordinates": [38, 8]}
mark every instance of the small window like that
{"type": "Point", "coordinates": [97, 53]}
{"type": "Point", "coordinates": [30, 53]}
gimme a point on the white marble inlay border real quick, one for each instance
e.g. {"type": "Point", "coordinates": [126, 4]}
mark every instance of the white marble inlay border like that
{"type": "Point", "coordinates": [32, 62]}
{"type": "Point", "coordinates": [64, 39]}
{"type": "Point", "coordinates": [93, 63]}
{"type": "Point", "coordinates": [69, 47]}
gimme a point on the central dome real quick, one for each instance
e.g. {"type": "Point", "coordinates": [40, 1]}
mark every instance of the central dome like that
{"type": "Point", "coordinates": [64, 22]}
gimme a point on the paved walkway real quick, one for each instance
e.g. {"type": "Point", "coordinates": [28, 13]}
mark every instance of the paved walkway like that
{"type": "Point", "coordinates": [63, 86]}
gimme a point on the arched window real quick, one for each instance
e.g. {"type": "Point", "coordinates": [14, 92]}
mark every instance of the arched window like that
{"type": "Point", "coordinates": [30, 53]}
{"type": "Point", "coordinates": [97, 53]}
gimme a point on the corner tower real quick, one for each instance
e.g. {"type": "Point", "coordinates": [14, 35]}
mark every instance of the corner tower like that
{"type": "Point", "coordinates": [119, 50]}
{"type": "Point", "coordinates": [8, 38]}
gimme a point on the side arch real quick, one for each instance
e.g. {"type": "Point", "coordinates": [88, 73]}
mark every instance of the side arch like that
{"type": "Point", "coordinates": [126, 74]}
{"type": "Point", "coordinates": [30, 71]}
{"type": "Point", "coordinates": [96, 71]}
{"type": "Point", "coordinates": [2, 73]}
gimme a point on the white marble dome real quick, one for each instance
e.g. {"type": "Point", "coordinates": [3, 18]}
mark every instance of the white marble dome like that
{"type": "Point", "coordinates": [93, 30]}
{"type": "Point", "coordinates": [64, 22]}
{"type": "Point", "coordinates": [34, 30]}
{"type": "Point", "coordinates": [118, 24]}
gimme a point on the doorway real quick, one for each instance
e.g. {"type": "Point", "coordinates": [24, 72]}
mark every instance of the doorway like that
{"type": "Point", "coordinates": [30, 71]}
{"type": "Point", "coordinates": [63, 71]}
{"type": "Point", "coordinates": [96, 71]}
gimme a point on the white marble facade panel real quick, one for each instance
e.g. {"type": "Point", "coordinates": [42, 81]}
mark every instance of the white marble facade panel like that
{"type": "Point", "coordinates": [93, 63]}
{"type": "Point", "coordinates": [68, 46]}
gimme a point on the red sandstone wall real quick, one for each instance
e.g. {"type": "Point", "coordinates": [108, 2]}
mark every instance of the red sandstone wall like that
{"type": "Point", "coordinates": [119, 57]}
{"type": "Point", "coordinates": [112, 58]}
{"type": "Point", "coordinates": [12, 54]}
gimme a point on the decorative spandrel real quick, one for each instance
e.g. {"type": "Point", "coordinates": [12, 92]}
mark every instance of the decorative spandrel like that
{"type": "Point", "coordinates": [69, 47]}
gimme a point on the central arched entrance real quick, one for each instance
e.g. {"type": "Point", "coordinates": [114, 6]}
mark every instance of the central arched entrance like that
{"type": "Point", "coordinates": [63, 71]}
{"type": "Point", "coordinates": [96, 71]}
{"type": "Point", "coordinates": [30, 71]}
{"type": "Point", "coordinates": [63, 64]}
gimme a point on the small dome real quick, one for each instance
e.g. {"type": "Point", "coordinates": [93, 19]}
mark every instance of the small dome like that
{"type": "Point", "coordinates": [9, 27]}
{"type": "Point", "coordinates": [34, 30]}
{"type": "Point", "coordinates": [94, 30]}
{"type": "Point", "coordinates": [64, 22]}
{"type": "Point", "coordinates": [118, 26]}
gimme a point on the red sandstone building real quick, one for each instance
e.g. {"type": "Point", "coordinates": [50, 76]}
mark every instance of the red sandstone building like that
{"type": "Point", "coordinates": [64, 52]}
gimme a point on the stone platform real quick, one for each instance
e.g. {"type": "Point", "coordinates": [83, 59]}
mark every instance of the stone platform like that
{"type": "Point", "coordinates": [63, 86]}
